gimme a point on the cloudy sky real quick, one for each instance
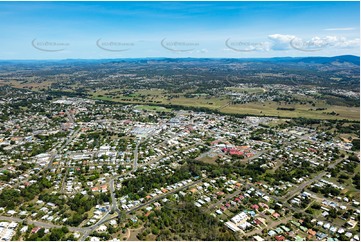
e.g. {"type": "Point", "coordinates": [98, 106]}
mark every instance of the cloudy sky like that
{"type": "Point", "coordinates": [93, 30]}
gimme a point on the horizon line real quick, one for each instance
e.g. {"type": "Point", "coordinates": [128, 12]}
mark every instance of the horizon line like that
{"type": "Point", "coordinates": [162, 57]}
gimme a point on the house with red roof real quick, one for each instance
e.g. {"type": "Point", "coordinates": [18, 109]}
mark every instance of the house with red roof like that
{"type": "Point", "coordinates": [263, 205]}
{"type": "Point", "coordinates": [232, 151]}
{"type": "Point", "coordinates": [35, 230]}
{"type": "Point", "coordinates": [311, 232]}
{"type": "Point", "coordinates": [235, 152]}
{"type": "Point", "coordinates": [255, 207]}
{"type": "Point", "coordinates": [257, 222]}
{"type": "Point", "coordinates": [312, 150]}
{"type": "Point", "coordinates": [280, 238]}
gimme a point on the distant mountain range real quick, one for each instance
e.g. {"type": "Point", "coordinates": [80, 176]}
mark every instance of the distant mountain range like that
{"type": "Point", "coordinates": [327, 60]}
{"type": "Point", "coordinates": [307, 60]}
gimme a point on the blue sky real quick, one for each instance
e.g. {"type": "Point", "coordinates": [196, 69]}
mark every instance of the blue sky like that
{"type": "Point", "coordinates": [59, 30]}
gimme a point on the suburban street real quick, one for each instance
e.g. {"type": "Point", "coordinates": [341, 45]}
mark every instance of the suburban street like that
{"type": "Point", "coordinates": [135, 161]}
{"type": "Point", "coordinates": [309, 182]}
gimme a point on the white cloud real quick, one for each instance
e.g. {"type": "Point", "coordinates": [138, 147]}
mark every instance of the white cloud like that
{"type": "Point", "coordinates": [340, 29]}
{"type": "Point", "coordinates": [343, 42]}
{"type": "Point", "coordinates": [285, 42]}
{"type": "Point", "coordinates": [281, 41]}
{"type": "Point", "coordinates": [332, 41]}
{"type": "Point", "coordinates": [316, 43]}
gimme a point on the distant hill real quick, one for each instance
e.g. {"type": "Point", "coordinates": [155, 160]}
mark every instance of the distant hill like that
{"type": "Point", "coordinates": [307, 60]}
{"type": "Point", "coordinates": [327, 60]}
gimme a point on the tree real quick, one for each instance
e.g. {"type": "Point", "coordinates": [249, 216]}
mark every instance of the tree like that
{"type": "Point", "coordinates": [65, 229]}
{"type": "Point", "coordinates": [41, 233]}
{"type": "Point", "coordinates": [333, 213]}
{"type": "Point", "coordinates": [56, 234]}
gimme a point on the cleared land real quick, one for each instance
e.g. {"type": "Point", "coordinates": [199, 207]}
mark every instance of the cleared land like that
{"type": "Point", "coordinates": [222, 104]}
{"type": "Point", "coordinates": [152, 108]}
{"type": "Point", "coordinates": [270, 109]}
{"type": "Point", "coordinates": [253, 108]}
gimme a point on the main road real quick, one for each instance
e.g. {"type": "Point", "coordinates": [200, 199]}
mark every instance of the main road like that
{"type": "Point", "coordinates": [42, 224]}
{"type": "Point", "coordinates": [135, 161]}
{"type": "Point", "coordinates": [68, 140]}
{"type": "Point", "coordinates": [309, 182]}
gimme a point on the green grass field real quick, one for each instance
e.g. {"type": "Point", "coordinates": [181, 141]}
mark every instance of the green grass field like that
{"type": "Point", "coordinates": [254, 108]}
{"type": "Point", "coordinates": [157, 96]}
{"type": "Point", "coordinates": [152, 108]}
{"type": "Point", "coordinates": [270, 109]}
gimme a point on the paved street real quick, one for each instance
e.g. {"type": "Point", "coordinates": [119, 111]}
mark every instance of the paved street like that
{"type": "Point", "coordinates": [304, 185]}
